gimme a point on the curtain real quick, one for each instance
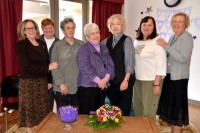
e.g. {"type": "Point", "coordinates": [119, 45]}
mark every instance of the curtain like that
{"type": "Point", "coordinates": [102, 10]}
{"type": "Point", "coordinates": [10, 16]}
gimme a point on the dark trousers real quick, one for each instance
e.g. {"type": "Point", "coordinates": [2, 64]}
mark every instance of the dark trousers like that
{"type": "Point", "coordinates": [51, 98]}
{"type": "Point", "coordinates": [122, 99]}
{"type": "Point", "coordinates": [64, 100]}
{"type": "Point", "coordinates": [90, 99]}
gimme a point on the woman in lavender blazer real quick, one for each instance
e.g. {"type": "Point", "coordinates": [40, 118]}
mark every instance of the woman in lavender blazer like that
{"type": "Point", "coordinates": [96, 68]}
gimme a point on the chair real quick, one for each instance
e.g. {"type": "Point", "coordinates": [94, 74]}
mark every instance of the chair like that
{"type": "Point", "coordinates": [9, 92]}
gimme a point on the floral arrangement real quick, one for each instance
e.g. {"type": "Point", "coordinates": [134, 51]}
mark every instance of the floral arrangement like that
{"type": "Point", "coordinates": [106, 117]}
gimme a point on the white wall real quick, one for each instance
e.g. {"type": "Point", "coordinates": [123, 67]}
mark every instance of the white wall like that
{"type": "Point", "coordinates": [162, 14]}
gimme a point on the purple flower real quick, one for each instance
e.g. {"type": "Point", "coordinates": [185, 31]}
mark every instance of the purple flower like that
{"type": "Point", "coordinates": [92, 112]}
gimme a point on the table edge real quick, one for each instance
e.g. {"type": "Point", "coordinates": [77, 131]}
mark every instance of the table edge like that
{"type": "Point", "coordinates": [39, 127]}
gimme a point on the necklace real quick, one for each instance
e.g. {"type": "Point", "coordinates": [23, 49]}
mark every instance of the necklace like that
{"type": "Point", "coordinates": [174, 39]}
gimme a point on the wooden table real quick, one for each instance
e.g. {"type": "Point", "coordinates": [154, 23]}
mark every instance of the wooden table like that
{"type": "Point", "coordinates": [53, 124]}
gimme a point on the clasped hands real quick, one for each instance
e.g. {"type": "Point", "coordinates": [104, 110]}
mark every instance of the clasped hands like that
{"type": "Point", "coordinates": [103, 83]}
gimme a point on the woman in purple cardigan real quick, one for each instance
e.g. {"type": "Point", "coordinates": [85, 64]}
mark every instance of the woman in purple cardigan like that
{"type": "Point", "coordinates": [96, 68]}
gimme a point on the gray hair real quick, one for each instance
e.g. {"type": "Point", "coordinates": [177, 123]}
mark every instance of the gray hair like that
{"type": "Point", "coordinates": [88, 28]}
{"type": "Point", "coordinates": [66, 21]}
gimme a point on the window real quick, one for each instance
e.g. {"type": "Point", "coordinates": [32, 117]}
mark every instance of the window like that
{"type": "Point", "coordinates": [36, 10]}
{"type": "Point", "coordinates": [73, 10]}
{"type": "Point", "coordinates": [79, 10]}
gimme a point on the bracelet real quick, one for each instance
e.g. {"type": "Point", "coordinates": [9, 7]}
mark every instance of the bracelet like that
{"type": "Point", "coordinates": [156, 85]}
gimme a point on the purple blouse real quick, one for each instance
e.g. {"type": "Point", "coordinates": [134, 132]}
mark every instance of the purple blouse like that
{"type": "Point", "coordinates": [94, 63]}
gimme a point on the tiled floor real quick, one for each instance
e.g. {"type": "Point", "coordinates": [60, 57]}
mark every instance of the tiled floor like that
{"type": "Point", "coordinates": [194, 116]}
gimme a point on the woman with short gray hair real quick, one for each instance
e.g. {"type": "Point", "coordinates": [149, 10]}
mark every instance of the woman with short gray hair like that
{"type": "Point", "coordinates": [89, 27]}
{"type": "Point", "coordinates": [65, 77]}
{"type": "Point", "coordinates": [96, 68]}
{"type": "Point", "coordinates": [66, 21]}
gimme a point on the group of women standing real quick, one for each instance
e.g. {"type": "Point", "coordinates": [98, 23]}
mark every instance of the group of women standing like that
{"type": "Point", "coordinates": [83, 74]}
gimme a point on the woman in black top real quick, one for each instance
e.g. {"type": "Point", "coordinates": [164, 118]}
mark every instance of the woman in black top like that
{"type": "Point", "coordinates": [34, 66]}
{"type": "Point", "coordinates": [121, 50]}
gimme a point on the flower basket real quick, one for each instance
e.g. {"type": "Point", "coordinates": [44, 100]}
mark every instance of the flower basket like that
{"type": "Point", "coordinates": [106, 117]}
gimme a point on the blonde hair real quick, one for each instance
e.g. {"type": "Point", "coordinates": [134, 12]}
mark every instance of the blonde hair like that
{"type": "Point", "coordinates": [187, 19]}
{"type": "Point", "coordinates": [118, 16]}
{"type": "Point", "coordinates": [21, 28]}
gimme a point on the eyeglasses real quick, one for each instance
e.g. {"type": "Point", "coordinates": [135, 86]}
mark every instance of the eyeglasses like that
{"type": "Point", "coordinates": [30, 29]}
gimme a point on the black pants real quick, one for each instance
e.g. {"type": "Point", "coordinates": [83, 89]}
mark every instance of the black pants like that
{"type": "Point", "coordinates": [64, 100]}
{"type": "Point", "coordinates": [51, 98]}
{"type": "Point", "coordinates": [90, 99]}
{"type": "Point", "coordinates": [122, 99]}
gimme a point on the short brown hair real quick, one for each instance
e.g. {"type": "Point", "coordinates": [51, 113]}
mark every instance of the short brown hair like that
{"type": "Point", "coordinates": [187, 19]}
{"type": "Point", "coordinates": [21, 28]}
{"type": "Point", "coordinates": [47, 21]}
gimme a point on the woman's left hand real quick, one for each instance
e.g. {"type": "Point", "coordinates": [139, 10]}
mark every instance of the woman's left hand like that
{"type": "Point", "coordinates": [156, 90]}
{"type": "Point", "coordinates": [124, 85]}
